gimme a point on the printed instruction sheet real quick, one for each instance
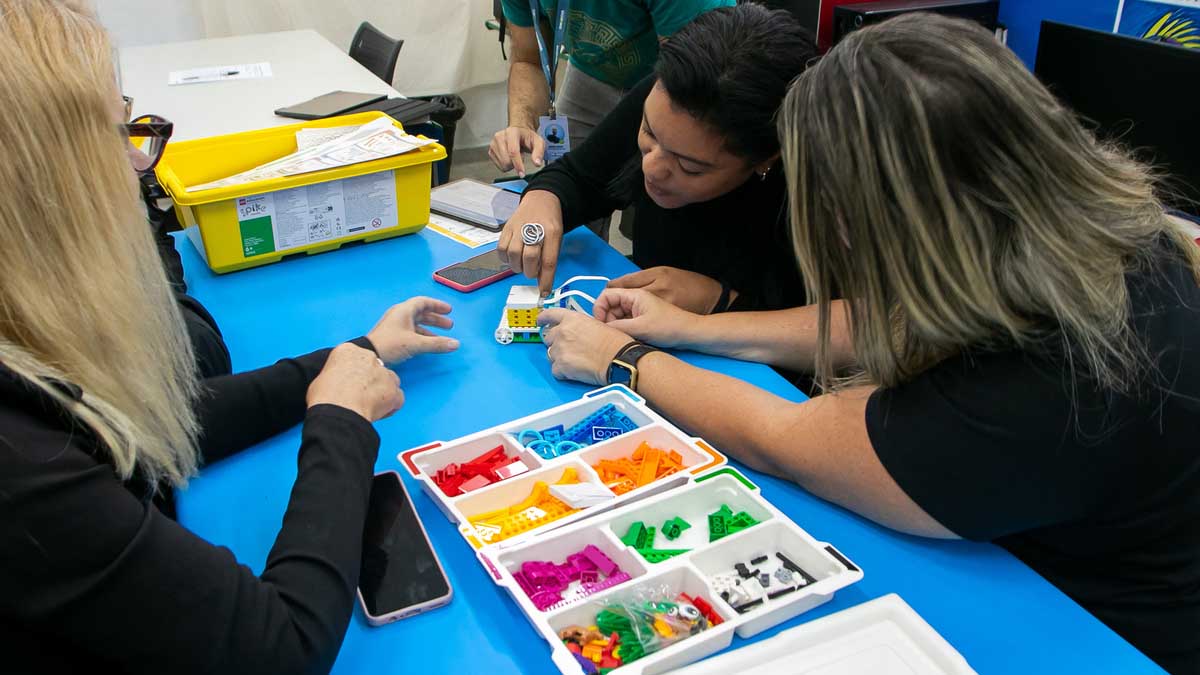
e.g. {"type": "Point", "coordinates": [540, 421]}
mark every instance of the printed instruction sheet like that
{"type": "Point", "coordinates": [374, 140]}
{"type": "Point", "coordinates": [464, 233]}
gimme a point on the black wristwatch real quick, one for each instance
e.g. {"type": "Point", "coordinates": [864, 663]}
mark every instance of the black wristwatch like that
{"type": "Point", "coordinates": [623, 369]}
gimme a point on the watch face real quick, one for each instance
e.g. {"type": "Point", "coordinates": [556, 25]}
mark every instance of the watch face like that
{"type": "Point", "coordinates": [619, 374]}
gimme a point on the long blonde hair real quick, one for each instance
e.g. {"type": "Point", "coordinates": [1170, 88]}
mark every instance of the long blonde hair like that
{"type": "Point", "coordinates": [957, 205]}
{"type": "Point", "coordinates": [83, 295]}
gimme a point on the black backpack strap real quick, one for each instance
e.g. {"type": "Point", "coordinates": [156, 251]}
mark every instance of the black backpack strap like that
{"type": "Point", "coordinates": [498, 12]}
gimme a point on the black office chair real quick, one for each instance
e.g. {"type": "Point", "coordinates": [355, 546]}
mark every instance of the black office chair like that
{"type": "Point", "coordinates": [375, 51]}
{"type": "Point", "coordinates": [805, 11]}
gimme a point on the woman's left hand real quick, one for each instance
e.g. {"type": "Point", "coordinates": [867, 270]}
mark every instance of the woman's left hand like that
{"type": "Point", "coordinates": [579, 347]}
{"type": "Point", "coordinates": [403, 331]}
{"type": "Point", "coordinates": [691, 291]}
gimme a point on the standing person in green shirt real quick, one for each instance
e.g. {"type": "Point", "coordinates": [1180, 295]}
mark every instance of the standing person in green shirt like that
{"type": "Point", "coordinates": [612, 45]}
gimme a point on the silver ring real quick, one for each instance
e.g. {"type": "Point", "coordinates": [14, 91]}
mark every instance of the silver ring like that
{"type": "Point", "coordinates": [532, 234]}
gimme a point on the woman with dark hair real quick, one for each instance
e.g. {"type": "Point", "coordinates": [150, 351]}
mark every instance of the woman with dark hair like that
{"type": "Point", "coordinates": [694, 149]}
{"type": "Point", "coordinates": [1015, 354]}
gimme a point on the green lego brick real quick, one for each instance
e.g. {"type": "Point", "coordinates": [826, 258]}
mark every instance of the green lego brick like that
{"type": "Point", "coordinates": [649, 538]}
{"type": "Point", "coordinates": [674, 527]}
{"type": "Point", "coordinates": [657, 555]}
{"type": "Point", "coordinates": [636, 536]}
{"type": "Point", "coordinates": [718, 526]}
{"type": "Point", "coordinates": [740, 522]}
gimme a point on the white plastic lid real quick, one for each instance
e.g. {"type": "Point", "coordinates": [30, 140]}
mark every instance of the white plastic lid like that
{"type": "Point", "coordinates": [881, 637]}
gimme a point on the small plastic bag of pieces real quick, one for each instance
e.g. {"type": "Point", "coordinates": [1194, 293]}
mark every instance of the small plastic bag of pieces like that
{"type": "Point", "coordinates": [651, 621]}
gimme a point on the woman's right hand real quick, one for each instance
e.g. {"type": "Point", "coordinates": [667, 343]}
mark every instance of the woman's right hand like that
{"type": "Point", "coordinates": [644, 316]}
{"type": "Point", "coordinates": [540, 260]}
{"type": "Point", "coordinates": [355, 379]}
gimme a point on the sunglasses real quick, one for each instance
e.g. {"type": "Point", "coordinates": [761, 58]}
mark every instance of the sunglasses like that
{"type": "Point", "coordinates": [148, 134]}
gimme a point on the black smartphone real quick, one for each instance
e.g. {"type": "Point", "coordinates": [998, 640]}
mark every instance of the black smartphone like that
{"type": "Point", "coordinates": [400, 574]}
{"type": "Point", "coordinates": [474, 273]}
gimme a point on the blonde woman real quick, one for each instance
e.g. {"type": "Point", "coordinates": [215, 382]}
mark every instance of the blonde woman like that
{"type": "Point", "coordinates": [101, 414]}
{"type": "Point", "coordinates": [1019, 342]}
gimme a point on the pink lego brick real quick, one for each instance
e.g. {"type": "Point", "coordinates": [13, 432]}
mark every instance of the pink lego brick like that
{"type": "Point", "coordinates": [602, 562]}
{"type": "Point", "coordinates": [580, 563]}
{"type": "Point", "coordinates": [516, 468]}
{"type": "Point", "coordinates": [618, 578]}
{"type": "Point", "coordinates": [545, 599]}
{"type": "Point", "coordinates": [589, 589]}
{"type": "Point", "coordinates": [523, 583]}
{"type": "Point", "coordinates": [474, 484]}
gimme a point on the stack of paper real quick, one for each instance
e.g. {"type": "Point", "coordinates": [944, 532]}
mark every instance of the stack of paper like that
{"type": "Point", "coordinates": [375, 140]}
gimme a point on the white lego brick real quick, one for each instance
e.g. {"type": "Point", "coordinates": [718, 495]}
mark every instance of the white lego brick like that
{"type": "Point", "coordinates": [581, 495]}
{"type": "Point", "coordinates": [523, 297]}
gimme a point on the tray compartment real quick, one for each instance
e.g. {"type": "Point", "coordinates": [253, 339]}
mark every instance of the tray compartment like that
{"type": "Point", "coordinates": [694, 507]}
{"type": "Point", "coordinates": [573, 414]}
{"type": "Point", "coordinates": [557, 550]}
{"type": "Point", "coordinates": [808, 565]}
{"type": "Point", "coordinates": [528, 502]}
{"type": "Point", "coordinates": [665, 584]}
{"type": "Point", "coordinates": [691, 458]}
{"type": "Point", "coordinates": [431, 462]}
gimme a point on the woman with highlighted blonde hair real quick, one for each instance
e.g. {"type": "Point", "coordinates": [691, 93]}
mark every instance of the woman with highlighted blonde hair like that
{"type": "Point", "coordinates": [1015, 356]}
{"type": "Point", "coordinates": [102, 415]}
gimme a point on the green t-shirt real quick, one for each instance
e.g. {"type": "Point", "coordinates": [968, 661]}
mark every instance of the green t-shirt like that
{"type": "Point", "coordinates": [615, 41]}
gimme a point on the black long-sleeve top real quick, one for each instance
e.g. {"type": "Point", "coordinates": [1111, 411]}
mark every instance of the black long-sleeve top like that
{"type": "Point", "coordinates": [739, 238]}
{"type": "Point", "coordinates": [94, 577]}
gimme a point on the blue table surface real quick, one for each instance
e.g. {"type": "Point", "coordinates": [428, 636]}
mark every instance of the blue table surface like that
{"type": "Point", "coordinates": [998, 613]}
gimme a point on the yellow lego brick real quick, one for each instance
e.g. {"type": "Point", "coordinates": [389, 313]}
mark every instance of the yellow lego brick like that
{"type": "Point", "coordinates": [535, 510]}
{"type": "Point", "coordinates": [523, 318]}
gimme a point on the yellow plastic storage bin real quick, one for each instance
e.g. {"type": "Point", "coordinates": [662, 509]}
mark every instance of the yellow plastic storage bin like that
{"type": "Point", "coordinates": [261, 222]}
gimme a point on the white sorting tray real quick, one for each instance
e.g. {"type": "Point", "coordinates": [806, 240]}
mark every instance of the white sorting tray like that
{"type": "Point", "coordinates": [692, 494]}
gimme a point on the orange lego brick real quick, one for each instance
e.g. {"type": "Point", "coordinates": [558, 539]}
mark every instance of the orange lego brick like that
{"type": "Point", "coordinates": [608, 466]}
{"type": "Point", "coordinates": [649, 472]}
{"type": "Point", "coordinates": [621, 486]}
{"type": "Point", "coordinates": [593, 653]}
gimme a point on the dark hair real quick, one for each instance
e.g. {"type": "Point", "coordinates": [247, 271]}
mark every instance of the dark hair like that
{"type": "Point", "coordinates": [730, 68]}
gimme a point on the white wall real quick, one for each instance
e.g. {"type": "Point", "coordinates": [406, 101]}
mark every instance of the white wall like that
{"type": "Point", "coordinates": [446, 47]}
{"type": "Point", "coordinates": [145, 22]}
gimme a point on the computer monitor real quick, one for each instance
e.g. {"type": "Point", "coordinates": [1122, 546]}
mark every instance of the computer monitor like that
{"type": "Point", "coordinates": [1136, 91]}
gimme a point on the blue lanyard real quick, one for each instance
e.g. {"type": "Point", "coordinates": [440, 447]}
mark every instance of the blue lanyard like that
{"type": "Point", "coordinates": [549, 66]}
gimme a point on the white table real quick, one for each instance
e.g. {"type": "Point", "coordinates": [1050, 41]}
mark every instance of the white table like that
{"type": "Point", "coordinates": [304, 65]}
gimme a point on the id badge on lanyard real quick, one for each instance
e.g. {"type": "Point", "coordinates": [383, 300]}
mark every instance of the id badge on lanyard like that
{"type": "Point", "coordinates": [553, 128]}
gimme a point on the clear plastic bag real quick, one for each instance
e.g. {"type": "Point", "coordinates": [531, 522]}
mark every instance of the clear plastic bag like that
{"type": "Point", "coordinates": [652, 620]}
